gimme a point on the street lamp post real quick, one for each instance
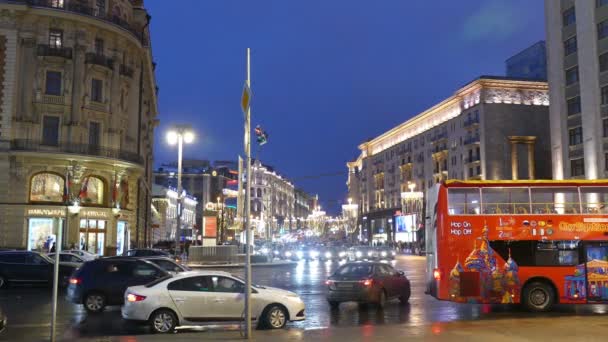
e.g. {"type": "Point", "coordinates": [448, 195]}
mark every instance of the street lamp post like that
{"type": "Point", "coordinates": [179, 135]}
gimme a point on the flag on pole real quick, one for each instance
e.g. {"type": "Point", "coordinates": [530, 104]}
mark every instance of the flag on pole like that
{"type": "Point", "coordinates": [262, 136]}
{"type": "Point", "coordinates": [84, 189]}
{"type": "Point", "coordinates": [115, 189]}
{"type": "Point", "coordinates": [66, 187]}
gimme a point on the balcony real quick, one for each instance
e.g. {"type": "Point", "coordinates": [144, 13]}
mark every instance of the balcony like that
{"type": "Point", "coordinates": [79, 8]}
{"type": "Point", "coordinates": [439, 148]}
{"type": "Point", "coordinates": [471, 140]}
{"type": "Point", "coordinates": [71, 148]}
{"type": "Point", "coordinates": [471, 122]}
{"type": "Point", "coordinates": [126, 71]}
{"type": "Point", "coordinates": [472, 159]}
{"type": "Point", "coordinates": [99, 59]}
{"type": "Point", "coordinates": [439, 136]}
{"type": "Point", "coordinates": [54, 51]}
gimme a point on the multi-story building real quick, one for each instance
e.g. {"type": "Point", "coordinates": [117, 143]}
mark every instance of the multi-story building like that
{"type": "Point", "coordinates": [577, 47]}
{"type": "Point", "coordinates": [164, 203]}
{"type": "Point", "coordinates": [531, 62]}
{"type": "Point", "coordinates": [302, 208]}
{"type": "Point", "coordinates": [78, 107]}
{"type": "Point", "coordinates": [492, 128]}
{"type": "Point", "coordinates": [201, 179]}
{"type": "Point", "coordinates": [272, 201]}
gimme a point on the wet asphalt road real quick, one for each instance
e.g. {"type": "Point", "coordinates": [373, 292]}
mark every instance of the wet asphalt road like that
{"type": "Point", "coordinates": [28, 309]}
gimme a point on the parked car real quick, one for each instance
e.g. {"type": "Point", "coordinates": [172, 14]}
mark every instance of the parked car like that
{"type": "Point", "coordinates": [193, 298]}
{"type": "Point", "coordinates": [32, 268]}
{"type": "Point", "coordinates": [367, 282]}
{"type": "Point", "coordinates": [385, 253]}
{"type": "Point", "coordinates": [86, 256]}
{"type": "Point", "coordinates": [103, 281]}
{"type": "Point", "coordinates": [331, 253]}
{"type": "Point", "coordinates": [2, 321]}
{"type": "Point", "coordinates": [167, 264]}
{"type": "Point", "coordinates": [67, 257]}
{"type": "Point", "coordinates": [307, 253]}
{"type": "Point", "coordinates": [358, 253]}
{"type": "Point", "coordinates": [148, 252]}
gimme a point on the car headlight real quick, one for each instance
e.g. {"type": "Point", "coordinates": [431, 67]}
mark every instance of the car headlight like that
{"type": "Point", "coordinates": [299, 254]}
{"type": "Point", "coordinates": [383, 253]}
{"type": "Point", "coordinates": [314, 254]}
{"type": "Point", "coordinates": [328, 255]}
{"type": "Point", "coordinates": [393, 253]}
{"type": "Point", "coordinates": [264, 250]}
{"type": "Point", "coordinates": [276, 252]}
{"type": "Point", "coordinates": [370, 253]}
{"type": "Point", "coordinates": [357, 253]}
{"type": "Point", "coordinates": [342, 254]}
{"type": "Point", "coordinates": [288, 254]}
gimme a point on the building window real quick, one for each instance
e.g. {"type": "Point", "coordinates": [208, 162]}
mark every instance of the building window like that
{"type": "Point", "coordinates": [99, 46]}
{"type": "Point", "coordinates": [92, 191]}
{"type": "Point", "coordinates": [570, 46]}
{"type": "Point", "coordinates": [605, 127]}
{"type": "Point", "coordinates": [606, 161]}
{"type": "Point", "coordinates": [100, 7]}
{"type": "Point", "coordinates": [55, 38]}
{"type": "Point", "coordinates": [605, 95]}
{"type": "Point", "coordinates": [53, 83]}
{"type": "Point", "coordinates": [478, 170]}
{"type": "Point", "coordinates": [50, 131]}
{"type": "Point", "coordinates": [569, 16]}
{"type": "Point", "coordinates": [95, 136]}
{"type": "Point", "coordinates": [574, 105]}
{"type": "Point", "coordinates": [47, 187]}
{"type": "Point", "coordinates": [56, 3]}
{"type": "Point", "coordinates": [601, 3]}
{"type": "Point", "coordinates": [577, 167]}
{"type": "Point", "coordinates": [575, 136]}
{"type": "Point", "coordinates": [572, 75]}
{"type": "Point", "coordinates": [97, 90]}
{"type": "Point", "coordinates": [604, 62]}
{"type": "Point", "coordinates": [602, 29]}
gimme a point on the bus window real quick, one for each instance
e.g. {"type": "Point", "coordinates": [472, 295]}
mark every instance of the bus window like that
{"type": "Point", "coordinates": [505, 200]}
{"type": "Point", "coordinates": [555, 200]}
{"type": "Point", "coordinates": [463, 201]}
{"type": "Point", "coordinates": [538, 253]}
{"type": "Point", "coordinates": [595, 200]}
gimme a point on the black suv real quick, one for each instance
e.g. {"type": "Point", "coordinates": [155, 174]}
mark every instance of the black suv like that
{"type": "Point", "coordinates": [31, 268]}
{"type": "Point", "coordinates": [148, 252]}
{"type": "Point", "coordinates": [103, 282]}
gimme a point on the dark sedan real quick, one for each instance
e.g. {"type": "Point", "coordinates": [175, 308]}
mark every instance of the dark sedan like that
{"type": "Point", "coordinates": [149, 252]}
{"type": "Point", "coordinates": [167, 264]}
{"type": "Point", "coordinates": [19, 267]}
{"type": "Point", "coordinates": [2, 321]}
{"type": "Point", "coordinates": [367, 282]}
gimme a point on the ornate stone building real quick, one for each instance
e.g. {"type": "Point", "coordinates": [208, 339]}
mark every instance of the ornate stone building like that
{"type": "Point", "coordinates": [491, 128]}
{"type": "Point", "coordinates": [78, 108]}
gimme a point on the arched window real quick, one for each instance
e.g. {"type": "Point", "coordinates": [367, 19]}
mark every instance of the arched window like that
{"type": "Point", "coordinates": [92, 191]}
{"type": "Point", "coordinates": [47, 187]}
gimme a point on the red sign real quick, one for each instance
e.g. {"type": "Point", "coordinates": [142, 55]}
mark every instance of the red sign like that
{"type": "Point", "coordinates": [210, 223]}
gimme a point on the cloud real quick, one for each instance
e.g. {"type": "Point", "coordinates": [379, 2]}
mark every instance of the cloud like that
{"type": "Point", "coordinates": [495, 20]}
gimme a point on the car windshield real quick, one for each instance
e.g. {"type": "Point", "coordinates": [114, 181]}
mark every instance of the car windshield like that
{"type": "Point", "coordinates": [46, 257]}
{"type": "Point", "coordinates": [243, 281]}
{"type": "Point", "coordinates": [354, 270]}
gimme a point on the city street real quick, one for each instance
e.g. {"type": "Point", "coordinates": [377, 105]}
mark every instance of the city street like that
{"type": "Point", "coordinates": [28, 311]}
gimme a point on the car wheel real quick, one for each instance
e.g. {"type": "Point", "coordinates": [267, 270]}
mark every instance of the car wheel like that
{"type": "Point", "coordinates": [275, 317]}
{"type": "Point", "coordinates": [3, 282]}
{"type": "Point", "coordinates": [163, 321]}
{"type": "Point", "coordinates": [94, 302]}
{"type": "Point", "coordinates": [538, 296]}
{"type": "Point", "coordinates": [381, 299]}
{"type": "Point", "coordinates": [333, 304]}
{"type": "Point", "coordinates": [405, 297]}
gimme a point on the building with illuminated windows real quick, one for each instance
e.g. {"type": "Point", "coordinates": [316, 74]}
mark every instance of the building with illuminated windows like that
{"type": "Point", "coordinates": [164, 203]}
{"type": "Point", "coordinates": [491, 128]}
{"type": "Point", "coordinates": [78, 107]}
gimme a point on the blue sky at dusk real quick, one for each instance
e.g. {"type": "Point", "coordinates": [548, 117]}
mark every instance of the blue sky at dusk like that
{"type": "Point", "coordinates": [326, 74]}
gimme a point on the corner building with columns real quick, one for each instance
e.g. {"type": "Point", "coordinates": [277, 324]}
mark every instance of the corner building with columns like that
{"type": "Point", "coordinates": [491, 128]}
{"type": "Point", "coordinates": [78, 107]}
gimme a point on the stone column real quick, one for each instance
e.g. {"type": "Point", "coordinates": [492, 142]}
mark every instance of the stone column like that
{"type": "Point", "coordinates": [30, 67]}
{"type": "Point", "coordinates": [513, 160]}
{"type": "Point", "coordinates": [531, 169]}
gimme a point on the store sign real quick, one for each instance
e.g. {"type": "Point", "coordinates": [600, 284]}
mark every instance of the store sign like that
{"type": "Point", "coordinates": [45, 212]}
{"type": "Point", "coordinates": [210, 224]}
{"type": "Point", "coordinates": [95, 214]}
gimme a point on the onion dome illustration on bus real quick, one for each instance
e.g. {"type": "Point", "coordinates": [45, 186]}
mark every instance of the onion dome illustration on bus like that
{"type": "Point", "coordinates": [497, 281]}
{"type": "Point", "coordinates": [455, 279]}
{"type": "Point", "coordinates": [476, 261]}
{"type": "Point", "coordinates": [511, 279]}
{"type": "Point", "coordinates": [485, 249]}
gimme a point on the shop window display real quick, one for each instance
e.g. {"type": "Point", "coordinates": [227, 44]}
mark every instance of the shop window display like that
{"type": "Point", "coordinates": [92, 191]}
{"type": "Point", "coordinates": [47, 187]}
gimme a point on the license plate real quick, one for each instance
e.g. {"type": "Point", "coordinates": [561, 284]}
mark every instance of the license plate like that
{"type": "Point", "coordinates": [344, 286]}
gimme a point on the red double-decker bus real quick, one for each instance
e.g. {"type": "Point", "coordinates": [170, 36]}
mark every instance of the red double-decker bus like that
{"type": "Point", "coordinates": [537, 243]}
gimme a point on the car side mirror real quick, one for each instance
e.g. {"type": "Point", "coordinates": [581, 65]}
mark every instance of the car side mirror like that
{"type": "Point", "coordinates": [401, 273]}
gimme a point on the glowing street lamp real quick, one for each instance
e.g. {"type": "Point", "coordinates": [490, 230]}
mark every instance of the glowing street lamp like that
{"type": "Point", "coordinates": [179, 135]}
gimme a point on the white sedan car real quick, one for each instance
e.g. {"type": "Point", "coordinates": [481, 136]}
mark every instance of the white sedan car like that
{"type": "Point", "coordinates": [199, 297]}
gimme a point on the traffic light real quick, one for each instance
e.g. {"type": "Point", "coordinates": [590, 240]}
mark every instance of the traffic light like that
{"type": "Point", "coordinates": [261, 135]}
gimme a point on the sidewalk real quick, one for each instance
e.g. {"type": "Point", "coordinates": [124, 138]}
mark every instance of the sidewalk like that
{"type": "Point", "coordinates": [281, 263]}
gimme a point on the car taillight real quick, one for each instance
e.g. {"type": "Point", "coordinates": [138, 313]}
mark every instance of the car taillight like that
{"type": "Point", "coordinates": [329, 282]}
{"type": "Point", "coordinates": [75, 281]}
{"type": "Point", "coordinates": [437, 274]}
{"type": "Point", "coordinates": [132, 297]}
{"type": "Point", "coordinates": [367, 282]}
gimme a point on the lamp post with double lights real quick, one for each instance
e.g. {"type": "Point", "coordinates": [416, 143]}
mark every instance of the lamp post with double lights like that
{"type": "Point", "coordinates": [179, 135]}
{"type": "Point", "coordinates": [349, 212]}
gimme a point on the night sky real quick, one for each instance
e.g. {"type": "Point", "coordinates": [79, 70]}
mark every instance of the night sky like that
{"type": "Point", "coordinates": [326, 74]}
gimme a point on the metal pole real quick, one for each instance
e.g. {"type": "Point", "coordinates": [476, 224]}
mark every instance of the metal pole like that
{"type": "Point", "coordinates": [247, 211]}
{"type": "Point", "coordinates": [58, 240]}
{"type": "Point", "coordinates": [180, 141]}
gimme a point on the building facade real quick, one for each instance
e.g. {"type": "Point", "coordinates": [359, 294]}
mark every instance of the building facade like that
{"type": "Point", "coordinates": [164, 202]}
{"type": "Point", "coordinates": [272, 201]}
{"type": "Point", "coordinates": [302, 207]}
{"type": "Point", "coordinates": [577, 46]}
{"type": "Point", "coordinates": [78, 107]}
{"type": "Point", "coordinates": [530, 63]}
{"type": "Point", "coordinates": [492, 128]}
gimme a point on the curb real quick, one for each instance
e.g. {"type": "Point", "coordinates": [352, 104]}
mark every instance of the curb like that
{"type": "Point", "coordinates": [265, 264]}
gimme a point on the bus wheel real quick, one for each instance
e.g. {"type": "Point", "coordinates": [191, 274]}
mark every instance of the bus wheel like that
{"type": "Point", "coordinates": [538, 296]}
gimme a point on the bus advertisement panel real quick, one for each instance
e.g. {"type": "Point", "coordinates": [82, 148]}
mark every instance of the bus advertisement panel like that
{"type": "Point", "coordinates": [531, 242]}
